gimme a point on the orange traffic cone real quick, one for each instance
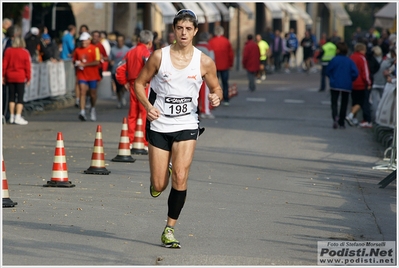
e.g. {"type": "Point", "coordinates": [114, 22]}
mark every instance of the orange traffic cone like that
{"type": "Point", "coordinates": [59, 176]}
{"type": "Point", "coordinates": [138, 142]}
{"type": "Point", "coordinates": [124, 154]}
{"type": "Point", "coordinates": [7, 202]}
{"type": "Point", "coordinates": [97, 158]}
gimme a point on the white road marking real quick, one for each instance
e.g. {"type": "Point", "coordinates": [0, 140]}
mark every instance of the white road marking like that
{"type": "Point", "coordinates": [293, 101]}
{"type": "Point", "coordinates": [256, 99]}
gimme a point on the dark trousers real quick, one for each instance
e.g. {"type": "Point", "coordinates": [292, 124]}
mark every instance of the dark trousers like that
{"type": "Point", "coordinates": [224, 76]}
{"type": "Point", "coordinates": [334, 105]}
{"type": "Point", "coordinates": [5, 111]}
{"type": "Point", "coordinates": [277, 60]}
{"type": "Point", "coordinates": [251, 80]}
{"type": "Point", "coordinates": [323, 78]}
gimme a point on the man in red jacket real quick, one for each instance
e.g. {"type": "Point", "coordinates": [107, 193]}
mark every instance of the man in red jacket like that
{"type": "Point", "coordinates": [224, 59]}
{"type": "Point", "coordinates": [360, 88]}
{"type": "Point", "coordinates": [127, 73]}
{"type": "Point", "coordinates": [251, 60]}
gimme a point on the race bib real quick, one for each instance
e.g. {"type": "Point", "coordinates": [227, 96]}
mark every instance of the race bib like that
{"type": "Point", "coordinates": [177, 106]}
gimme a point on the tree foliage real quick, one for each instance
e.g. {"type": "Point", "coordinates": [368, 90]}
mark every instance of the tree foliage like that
{"type": "Point", "coordinates": [362, 15]}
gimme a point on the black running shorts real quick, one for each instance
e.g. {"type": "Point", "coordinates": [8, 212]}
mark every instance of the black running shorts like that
{"type": "Point", "coordinates": [165, 141]}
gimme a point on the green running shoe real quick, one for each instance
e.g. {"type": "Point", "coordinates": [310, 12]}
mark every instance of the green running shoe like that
{"type": "Point", "coordinates": [168, 239]}
{"type": "Point", "coordinates": [154, 193]}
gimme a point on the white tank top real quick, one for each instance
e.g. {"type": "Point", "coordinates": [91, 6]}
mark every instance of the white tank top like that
{"type": "Point", "coordinates": [177, 94]}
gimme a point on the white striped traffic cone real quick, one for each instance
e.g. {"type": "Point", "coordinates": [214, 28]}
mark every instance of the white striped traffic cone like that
{"type": "Point", "coordinates": [97, 158]}
{"type": "Point", "coordinates": [138, 142]}
{"type": "Point", "coordinates": [7, 202]}
{"type": "Point", "coordinates": [124, 154]}
{"type": "Point", "coordinates": [59, 176]}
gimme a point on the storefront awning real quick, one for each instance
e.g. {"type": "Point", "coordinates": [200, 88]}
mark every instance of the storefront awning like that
{"type": "Point", "coordinates": [212, 14]}
{"type": "Point", "coordinates": [386, 16]}
{"type": "Point", "coordinates": [339, 11]}
{"type": "Point", "coordinates": [197, 10]}
{"type": "Point", "coordinates": [244, 7]}
{"type": "Point", "coordinates": [168, 11]}
{"type": "Point", "coordinates": [223, 10]}
{"type": "Point", "coordinates": [292, 12]}
{"type": "Point", "coordinates": [275, 9]}
{"type": "Point", "coordinates": [304, 15]}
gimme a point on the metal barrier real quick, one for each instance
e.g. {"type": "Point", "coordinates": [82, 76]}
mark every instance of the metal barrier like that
{"type": "Point", "coordinates": [50, 82]}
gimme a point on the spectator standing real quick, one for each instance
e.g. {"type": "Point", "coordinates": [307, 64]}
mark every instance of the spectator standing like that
{"type": "Point", "coordinates": [379, 79]}
{"type": "Point", "coordinates": [107, 46]}
{"type": "Point", "coordinates": [263, 49]}
{"type": "Point", "coordinates": [117, 54]}
{"type": "Point", "coordinates": [16, 73]}
{"type": "Point", "coordinates": [7, 23]}
{"type": "Point", "coordinates": [251, 61]}
{"type": "Point", "coordinates": [127, 73]}
{"type": "Point", "coordinates": [86, 59]}
{"type": "Point", "coordinates": [203, 102]}
{"type": "Point", "coordinates": [286, 53]}
{"type": "Point", "coordinates": [34, 44]}
{"type": "Point", "coordinates": [12, 32]}
{"type": "Point", "coordinates": [307, 44]}
{"type": "Point", "coordinates": [293, 44]}
{"type": "Point", "coordinates": [96, 41]}
{"type": "Point", "coordinates": [327, 52]}
{"type": "Point", "coordinates": [176, 73]}
{"type": "Point", "coordinates": [68, 43]}
{"type": "Point", "coordinates": [51, 51]}
{"type": "Point", "coordinates": [277, 50]}
{"type": "Point", "coordinates": [224, 59]}
{"type": "Point", "coordinates": [335, 38]}
{"type": "Point", "coordinates": [341, 72]}
{"type": "Point", "coordinates": [360, 88]}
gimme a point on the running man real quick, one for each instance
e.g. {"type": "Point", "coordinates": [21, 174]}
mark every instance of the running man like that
{"type": "Point", "coordinates": [176, 73]}
{"type": "Point", "coordinates": [86, 59]}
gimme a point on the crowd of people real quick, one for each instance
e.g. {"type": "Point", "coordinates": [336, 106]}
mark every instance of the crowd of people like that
{"type": "Point", "coordinates": [359, 70]}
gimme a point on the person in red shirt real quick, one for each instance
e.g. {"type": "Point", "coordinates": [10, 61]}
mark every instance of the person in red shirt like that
{"type": "Point", "coordinates": [224, 59]}
{"type": "Point", "coordinates": [96, 41]}
{"type": "Point", "coordinates": [86, 59]}
{"type": "Point", "coordinates": [126, 74]}
{"type": "Point", "coordinates": [16, 72]}
{"type": "Point", "coordinates": [251, 60]}
{"type": "Point", "coordinates": [360, 88]}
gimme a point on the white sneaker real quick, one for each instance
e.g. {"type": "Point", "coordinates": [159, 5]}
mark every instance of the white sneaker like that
{"type": "Point", "coordinates": [119, 105]}
{"type": "Point", "coordinates": [12, 119]}
{"type": "Point", "coordinates": [19, 120]}
{"type": "Point", "coordinates": [93, 116]}
{"type": "Point", "coordinates": [263, 77]}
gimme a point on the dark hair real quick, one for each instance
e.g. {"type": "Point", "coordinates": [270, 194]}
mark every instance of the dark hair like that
{"type": "Point", "coordinates": [95, 31]}
{"type": "Point", "coordinates": [187, 15]}
{"type": "Point", "coordinates": [83, 26]}
{"type": "Point", "coordinates": [250, 37]}
{"type": "Point", "coordinates": [104, 33]}
{"type": "Point", "coordinates": [71, 27]}
{"type": "Point", "coordinates": [342, 48]}
{"type": "Point", "coordinates": [120, 35]}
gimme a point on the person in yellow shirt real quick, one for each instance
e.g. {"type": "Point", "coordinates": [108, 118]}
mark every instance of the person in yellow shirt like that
{"type": "Point", "coordinates": [263, 49]}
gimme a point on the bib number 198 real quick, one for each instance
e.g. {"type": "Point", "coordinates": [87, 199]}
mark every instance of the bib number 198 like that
{"type": "Point", "coordinates": [177, 106]}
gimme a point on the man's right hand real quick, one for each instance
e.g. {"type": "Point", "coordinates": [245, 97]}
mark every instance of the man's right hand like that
{"type": "Point", "coordinates": [153, 113]}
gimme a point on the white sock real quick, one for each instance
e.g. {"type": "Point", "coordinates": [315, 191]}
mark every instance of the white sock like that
{"type": "Point", "coordinates": [350, 115]}
{"type": "Point", "coordinates": [82, 112]}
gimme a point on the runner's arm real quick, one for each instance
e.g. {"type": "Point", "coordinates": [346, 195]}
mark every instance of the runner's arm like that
{"type": "Point", "coordinates": [149, 70]}
{"type": "Point", "coordinates": [209, 74]}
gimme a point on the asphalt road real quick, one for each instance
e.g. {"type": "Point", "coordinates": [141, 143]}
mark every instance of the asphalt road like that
{"type": "Point", "coordinates": [270, 178]}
